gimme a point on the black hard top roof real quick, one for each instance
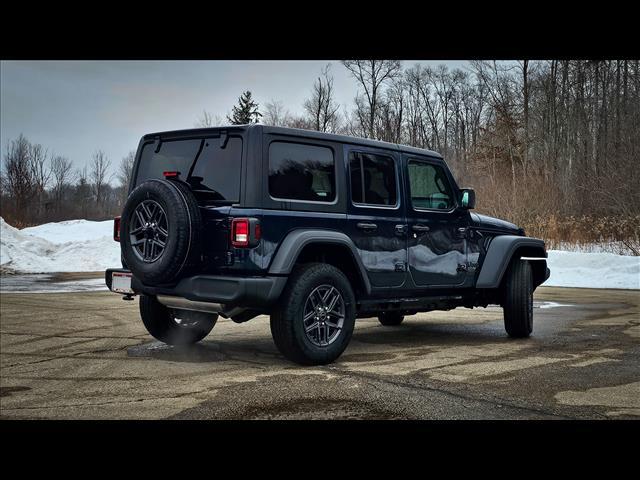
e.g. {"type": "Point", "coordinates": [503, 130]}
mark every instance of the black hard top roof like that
{"type": "Point", "coordinates": [297, 132]}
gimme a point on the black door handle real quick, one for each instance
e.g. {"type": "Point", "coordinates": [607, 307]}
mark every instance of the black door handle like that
{"type": "Point", "coordinates": [367, 226]}
{"type": "Point", "coordinates": [401, 229]}
{"type": "Point", "coordinates": [420, 228]}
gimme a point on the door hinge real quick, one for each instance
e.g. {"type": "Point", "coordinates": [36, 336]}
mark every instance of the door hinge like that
{"type": "Point", "coordinates": [400, 267]}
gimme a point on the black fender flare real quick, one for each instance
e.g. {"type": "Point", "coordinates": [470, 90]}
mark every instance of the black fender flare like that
{"type": "Point", "coordinates": [295, 241]}
{"type": "Point", "coordinates": [499, 255]}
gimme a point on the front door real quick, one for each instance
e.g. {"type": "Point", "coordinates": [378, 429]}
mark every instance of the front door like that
{"type": "Point", "coordinates": [375, 215]}
{"type": "Point", "coordinates": [437, 227]}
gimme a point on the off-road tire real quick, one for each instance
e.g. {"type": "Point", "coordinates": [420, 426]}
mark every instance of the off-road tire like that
{"type": "Point", "coordinates": [390, 319]}
{"type": "Point", "coordinates": [183, 248]}
{"type": "Point", "coordinates": [161, 323]}
{"type": "Point", "coordinates": [518, 299]}
{"type": "Point", "coordinates": [287, 327]}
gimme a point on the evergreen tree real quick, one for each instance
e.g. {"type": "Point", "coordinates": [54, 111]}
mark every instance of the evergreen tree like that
{"type": "Point", "coordinates": [246, 111]}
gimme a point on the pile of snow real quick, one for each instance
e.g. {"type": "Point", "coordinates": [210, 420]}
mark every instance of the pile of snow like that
{"type": "Point", "coordinates": [593, 270]}
{"type": "Point", "coordinates": [71, 231]}
{"type": "Point", "coordinates": [72, 246]}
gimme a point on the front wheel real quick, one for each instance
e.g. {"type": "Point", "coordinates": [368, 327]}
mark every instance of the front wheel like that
{"type": "Point", "coordinates": [518, 300]}
{"type": "Point", "coordinates": [316, 316]}
{"type": "Point", "coordinates": [175, 327]}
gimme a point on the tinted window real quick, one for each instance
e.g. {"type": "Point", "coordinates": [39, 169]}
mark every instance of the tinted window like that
{"type": "Point", "coordinates": [373, 179]}
{"type": "Point", "coordinates": [301, 172]}
{"type": "Point", "coordinates": [216, 174]}
{"type": "Point", "coordinates": [173, 156]}
{"type": "Point", "coordinates": [430, 187]}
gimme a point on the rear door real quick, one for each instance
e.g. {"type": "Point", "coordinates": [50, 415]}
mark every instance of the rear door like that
{"type": "Point", "coordinates": [436, 240]}
{"type": "Point", "coordinates": [375, 214]}
{"type": "Point", "coordinates": [212, 168]}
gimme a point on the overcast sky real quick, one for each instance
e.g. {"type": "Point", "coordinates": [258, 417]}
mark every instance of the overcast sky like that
{"type": "Point", "coordinates": [74, 108]}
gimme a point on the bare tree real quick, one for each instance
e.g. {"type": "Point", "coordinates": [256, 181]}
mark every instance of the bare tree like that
{"type": "Point", "coordinates": [99, 175]}
{"type": "Point", "coordinates": [322, 108]}
{"type": "Point", "coordinates": [124, 174]}
{"type": "Point", "coordinates": [275, 114]}
{"type": "Point", "coordinates": [82, 194]}
{"type": "Point", "coordinates": [62, 174]}
{"type": "Point", "coordinates": [207, 120]}
{"type": "Point", "coordinates": [17, 179]}
{"type": "Point", "coordinates": [371, 75]}
{"type": "Point", "coordinates": [40, 172]}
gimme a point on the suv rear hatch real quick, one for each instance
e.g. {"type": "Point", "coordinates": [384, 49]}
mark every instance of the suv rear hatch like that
{"type": "Point", "coordinates": [211, 163]}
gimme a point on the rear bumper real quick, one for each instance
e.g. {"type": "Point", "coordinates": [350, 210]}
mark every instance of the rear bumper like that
{"type": "Point", "coordinates": [245, 292]}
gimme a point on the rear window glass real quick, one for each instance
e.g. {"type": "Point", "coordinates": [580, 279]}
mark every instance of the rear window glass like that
{"type": "Point", "coordinates": [173, 156]}
{"type": "Point", "coordinates": [216, 174]}
{"type": "Point", "coordinates": [301, 172]}
{"type": "Point", "coordinates": [216, 171]}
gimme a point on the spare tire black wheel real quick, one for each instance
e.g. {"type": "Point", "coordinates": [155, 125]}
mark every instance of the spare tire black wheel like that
{"type": "Point", "coordinates": [160, 231]}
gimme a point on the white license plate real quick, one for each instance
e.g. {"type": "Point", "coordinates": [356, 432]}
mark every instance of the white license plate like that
{"type": "Point", "coordinates": [121, 282]}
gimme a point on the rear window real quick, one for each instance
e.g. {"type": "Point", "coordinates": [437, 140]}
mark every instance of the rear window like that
{"type": "Point", "coordinates": [212, 172]}
{"type": "Point", "coordinates": [301, 172]}
{"type": "Point", "coordinates": [216, 174]}
{"type": "Point", "coordinates": [173, 156]}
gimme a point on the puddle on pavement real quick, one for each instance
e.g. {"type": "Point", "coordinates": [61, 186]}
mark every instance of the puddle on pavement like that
{"type": "Point", "coordinates": [200, 352]}
{"type": "Point", "coordinates": [543, 305]}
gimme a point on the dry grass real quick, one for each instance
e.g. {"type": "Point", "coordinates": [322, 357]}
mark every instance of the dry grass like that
{"type": "Point", "coordinates": [613, 233]}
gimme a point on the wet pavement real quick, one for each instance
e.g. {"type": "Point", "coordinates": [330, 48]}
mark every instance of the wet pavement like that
{"type": "Point", "coordinates": [53, 282]}
{"type": "Point", "coordinates": [87, 355]}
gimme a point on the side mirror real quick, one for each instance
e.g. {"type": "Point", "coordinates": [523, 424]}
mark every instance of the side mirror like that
{"type": "Point", "coordinates": [468, 198]}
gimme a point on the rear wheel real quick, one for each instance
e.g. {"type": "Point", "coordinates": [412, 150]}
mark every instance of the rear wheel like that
{"type": "Point", "coordinates": [316, 316]}
{"type": "Point", "coordinates": [175, 327]}
{"type": "Point", "coordinates": [518, 300]}
{"type": "Point", "coordinates": [389, 319]}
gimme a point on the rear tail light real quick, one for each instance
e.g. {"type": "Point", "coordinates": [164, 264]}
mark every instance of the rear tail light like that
{"type": "Point", "coordinates": [116, 229]}
{"type": "Point", "coordinates": [240, 232]}
{"type": "Point", "coordinates": [245, 232]}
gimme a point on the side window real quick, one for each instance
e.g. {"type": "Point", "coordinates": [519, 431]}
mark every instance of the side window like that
{"type": "Point", "coordinates": [301, 172]}
{"type": "Point", "coordinates": [430, 187]}
{"type": "Point", "coordinates": [373, 179]}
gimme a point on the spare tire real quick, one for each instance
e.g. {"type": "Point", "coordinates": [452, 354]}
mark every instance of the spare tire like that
{"type": "Point", "coordinates": [160, 231]}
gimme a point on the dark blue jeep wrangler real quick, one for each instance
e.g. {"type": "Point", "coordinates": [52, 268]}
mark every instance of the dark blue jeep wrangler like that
{"type": "Point", "coordinates": [314, 230]}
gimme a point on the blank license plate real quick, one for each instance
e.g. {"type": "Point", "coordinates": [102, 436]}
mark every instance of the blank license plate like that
{"type": "Point", "coordinates": [121, 282]}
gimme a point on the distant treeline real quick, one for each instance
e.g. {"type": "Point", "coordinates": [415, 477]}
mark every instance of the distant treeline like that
{"type": "Point", "coordinates": [544, 143]}
{"type": "Point", "coordinates": [38, 187]}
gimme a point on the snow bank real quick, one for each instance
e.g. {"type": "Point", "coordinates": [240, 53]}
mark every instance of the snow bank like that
{"type": "Point", "coordinates": [84, 246]}
{"type": "Point", "coordinates": [73, 246]}
{"type": "Point", "coordinates": [593, 270]}
{"type": "Point", "coordinates": [71, 231]}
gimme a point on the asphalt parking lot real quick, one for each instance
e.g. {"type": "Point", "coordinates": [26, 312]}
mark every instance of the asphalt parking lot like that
{"type": "Point", "coordinates": [87, 356]}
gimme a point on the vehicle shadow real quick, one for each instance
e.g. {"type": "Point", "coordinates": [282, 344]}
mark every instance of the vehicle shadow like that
{"type": "Point", "coordinates": [259, 350]}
